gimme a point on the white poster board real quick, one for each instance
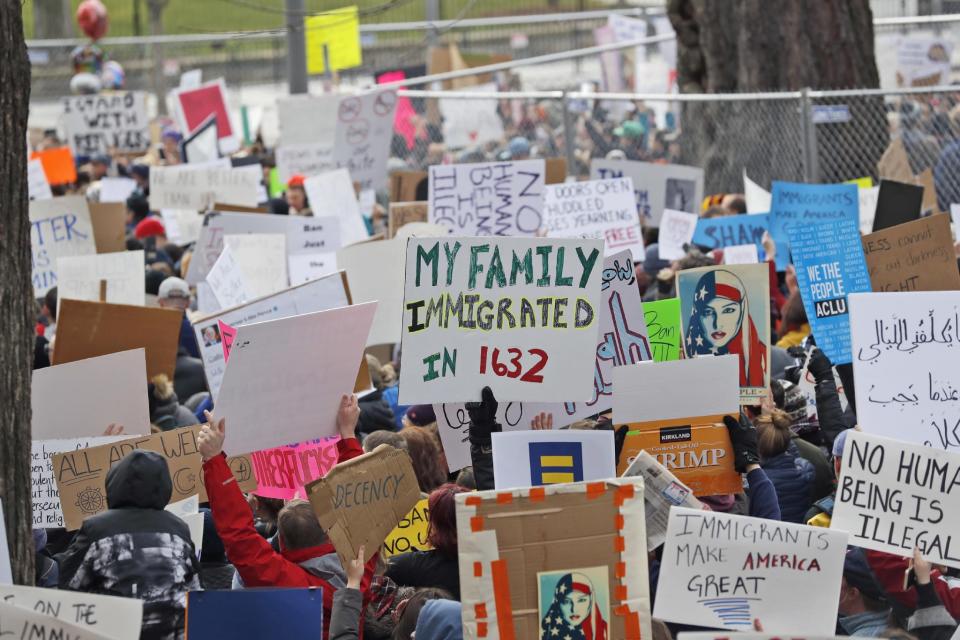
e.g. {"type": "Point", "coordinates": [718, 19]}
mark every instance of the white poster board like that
{"type": "Point", "coordinates": [758, 199]}
{"type": "Point", "coordinates": [536, 458]}
{"type": "Point", "coordinates": [332, 194]}
{"type": "Point", "coordinates": [375, 274]}
{"type": "Point", "coordinates": [116, 189]}
{"type": "Point", "coordinates": [58, 227]}
{"type": "Point", "coordinates": [80, 277]}
{"type": "Point", "coordinates": [290, 374]}
{"type": "Point", "coordinates": [305, 159]}
{"type": "Point", "coordinates": [198, 187]}
{"type": "Point", "coordinates": [107, 122]}
{"type": "Point", "coordinates": [37, 185]}
{"type": "Point", "coordinates": [182, 225]}
{"type": "Point", "coordinates": [38, 625]}
{"type": "Point", "coordinates": [721, 570]}
{"type": "Point", "coordinates": [471, 122]}
{"type": "Point", "coordinates": [662, 390]}
{"type": "Point", "coordinates": [520, 315]}
{"type": "Point", "coordinates": [113, 617]}
{"type": "Point", "coordinates": [656, 186]}
{"type": "Point", "coordinates": [305, 267]}
{"type": "Point", "coordinates": [676, 229]}
{"type": "Point", "coordinates": [489, 198]}
{"type": "Point", "coordinates": [602, 209]}
{"type": "Point", "coordinates": [227, 281]}
{"type": "Point", "coordinates": [262, 259]}
{"type": "Point", "coordinates": [99, 391]}
{"type": "Point", "coordinates": [363, 135]}
{"type": "Point", "coordinates": [307, 119]}
{"type": "Point", "coordinates": [741, 254]}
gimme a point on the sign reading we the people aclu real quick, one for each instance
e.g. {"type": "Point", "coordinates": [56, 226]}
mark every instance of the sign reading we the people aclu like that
{"type": "Point", "coordinates": [517, 314]}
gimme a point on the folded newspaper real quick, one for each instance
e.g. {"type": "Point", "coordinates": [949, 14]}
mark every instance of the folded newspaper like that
{"type": "Point", "coordinates": [661, 491]}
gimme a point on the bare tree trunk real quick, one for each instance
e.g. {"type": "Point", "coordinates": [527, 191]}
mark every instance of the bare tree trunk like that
{"type": "Point", "coordinates": [731, 46]}
{"type": "Point", "coordinates": [52, 19]}
{"type": "Point", "coordinates": [16, 294]}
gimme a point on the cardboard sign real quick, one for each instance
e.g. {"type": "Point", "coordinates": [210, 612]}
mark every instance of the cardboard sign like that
{"type": "Point", "coordinates": [904, 365]}
{"type": "Point", "coordinates": [488, 199]}
{"type": "Point", "coordinates": [305, 159]}
{"type": "Point", "coordinates": [255, 613]}
{"type": "Point", "coordinates": [328, 292]}
{"type": "Point", "coordinates": [661, 490]}
{"type": "Point", "coordinates": [410, 534]}
{"type": "Point", "coordinates": [361, 501]}
{"type": "Point", "coordinates": [656, 186]}
{"type": "Point", "coordinates": [830, 265]}
{"type": "Point", "coordinates": [109, 616]}
{"type": "Point", "coordinates": [601, 209]}
{"type": "Point", "coordinates": [363, 136]}
{"type": "Point", "coordinates": [107, 122]}
{"type": "Point", "coordinates": [664, 332]}
{"type": "Point", "coordinates": [403, 212]}
{"type": "Point", "coordinates": [109, 226]}
{"type": "Point", "coordinates": [731, 231]}
{"type": "Point", "coordinates": [502, 536]}
{"type": "Point", "coordinates": [337, 31]}
{"type": "Point", "coordinates": [404, 185]}
{"type": "Point", "coordinates": [37, 185]}
{"type": "Point", "coordinates": [556, 170]}
{"type": "Point", "coordinates": [720, 570]}
{"type": "Point", "coordinates": [894, 496]}
{"type": "Point", "coordinates": [59, 227]}
{"type": "Point", "coordinates": [227, 281]}
{"type": "Point", "coordinates": [105, 277]}
{"type": "Point", "coordinates": [332, 194]}
{"type": "Point", "coordinates": [198, 187]}
{"type": "Point", "coordinates": [283, 472]}
{"type": "Point", "coordinates": [537, 458]}
{"type": "Point", "coordinates": [894, 164]}
{"type": "Point", "coordinates": [726, 310]}
{"type": "Point", "coordinates": [262, 259]}
{"type": "Point", "coordinates": [193, 107]}
{"type": "Point", "coordinates": [374, 271]}
{"type": "Point", "coordinates": [275, 376]}
{"type": "Point", "coordinates": [57, 164]}
{"type": "Point", "coordinates": [89, 329]}
{"type": "Point", "coordinates": [916, 256]}
{"type": "Point", "coordinates": [110, 389]}
{"type": "Point", "coordinates": [543, 299]}
{"type": "Point", "coordinates": [26, 623]}
{"type": "Point", "coordinates": [758, 199]}
{"type": "Point", "coordinates": [676, 230]}
{"type": "Point", "coordinates": [897, 203]}
{"type": "Point", "coordinates": [809, 204]}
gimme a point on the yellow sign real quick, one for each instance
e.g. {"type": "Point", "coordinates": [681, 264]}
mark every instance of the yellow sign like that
{"type": "Point", "coordinates": [410, 534]}
{"type": "Point", "coordinates": [862, 183]}
{"type": "Point", "coordinates": [339, 30]}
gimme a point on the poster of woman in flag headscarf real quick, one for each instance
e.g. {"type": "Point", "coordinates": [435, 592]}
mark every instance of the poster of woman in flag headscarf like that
{"type": "Point", "coordinates": [574, 604]}
{"type": "Point", "coordinates": [726, 310]}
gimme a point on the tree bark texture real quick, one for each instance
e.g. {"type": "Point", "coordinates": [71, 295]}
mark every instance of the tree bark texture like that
{"type": "Point", "coordinates": [16, 294]}
{"type": "Point", "coordinates": [738, 46]}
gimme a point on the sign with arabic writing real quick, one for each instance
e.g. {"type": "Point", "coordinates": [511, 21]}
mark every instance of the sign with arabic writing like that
{"type": "Point", "coordinates": [905, 348]}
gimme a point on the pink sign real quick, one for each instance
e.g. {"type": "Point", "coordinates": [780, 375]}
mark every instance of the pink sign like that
{"type": "Point", "coordinates": [283, 472]}
{"type": "Point", "coordinates": [227, 334]}
{"type": "Point", "coordinates": [403, 119]}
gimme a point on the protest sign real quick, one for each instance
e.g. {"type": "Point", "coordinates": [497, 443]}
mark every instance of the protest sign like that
{"type": "Point", "coordinates": [758, 199]}
{"type": "Point", "coordinates": [58, 227]}
{"type": "Point", "coordinates": [109, 221]}
{"type": "Point", "coordinates": [536, 458]}
{"type": "Point", "coordinates": [262, 259]}
{"type": "Point", "coordinates": [808, 204]}
{"type": "Point", "coordinates": [100, 391]}
{"type": "Point", "coordinates": [291, 373]}
{"type": "Point", "coordinates": [89, 329]}
{"type": "Point", "coordinates": [923, 61]}
{"type": "Point", "coordinates": [897, 203]}
{"type": "Point", "coordinates": [307, 120]}
{"type": "Point", "coordinates": [662, 318]}
{"type": "Point", "coordinates": [374, 274]}
{"type": "Point", "coordinates": [192, 107]}
{"type": "Point", "coordinates": [729, 231]}
{"type": "Point", "coordinates": [685, 635]}
{"type": "Point", "coordinates": [203, 144]}
{"type": "Point", "coordinates": [488, 199]}
{"type": "Point", "coordinates": [363, 135]}
{"type": "Point", "coordinates": [328, 292]}
{"type": "Point", "coordinates": [556, 170]}
{"type": "Point", "coordinates": [676, 230]}
{"type": "Point", "coordinates": [198, 187]}
{"type": "Point", "coordinates": [332, 193]}
{"type": "Point", "coordinates": [410, 534]}
{"type": "Point", "coordinates": [503, 534]}
{"type": "Point", "coordinates": [906, 381]}
{"type": "Point", "coordinates": [661, 490]}
{"type": "Point", "coordinates": [283, 472]}
{"type": "Point", "coordinates": [830, 265]}
{"type": "Point", "coordinates": [25, 623]}
{"type": "Point", "coordinates": [453, 423]}
{"type": "Point", "coordinates": [407, 186]}
{"type": "Point", "coordinates": [928, 205]}
{"type": "Point", "coordinates": [182, 225]}
{"type": "Point", "coordinates": [116, 189]}
{"type": "Point", "coordinates": [601, 209]}
{"type": "Point", "coordinates": [106, 277]}
{"type": "Point", "coordinates": [545, 344]}
{"type": "Point", "coordinates": [916, 256]}
{"type": "Point", "coordinates": [338, 32]}
{"type": "Point", "coordinates": [727, 310]}
{"type": "Point", "coordinates": [110, 616]}
{"type": "Point", "coordinates": [894, 164]}
{"type": "Point", "coordinates": [104, 123]}
{"type": "Point", "coordinates": [360, 501]}
{"type": "Point", "coordinates": [402, 213]}
{"type": "Point", "coordinates": [227, 281]}
{"type": "Point", "coordinates": [305, 267]}
{"type": "Point", "coordinates": [741, 254]}
{"type": "Point", "coordinates": [255, 613]}
{"type": "Point", "coordinates": [305, 159]}
{"type": "Point", "coordinates": [58, 165]}
{"type": "Point", "coordinates": [472, 122]}
{"type": "Point", "coordinates": [721, 570]}
{"type": "Point", "coordinates": [893, 496]}
{"type": "Point", "coordinates": [868, 197]}
{"type": "Point", "coordinates": [655, 186]}
{"type": "Point", "coordinates": [37, 185]}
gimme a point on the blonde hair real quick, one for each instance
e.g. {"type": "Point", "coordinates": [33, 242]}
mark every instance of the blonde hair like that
{"type": "Point", "coordinates": [773, 433]}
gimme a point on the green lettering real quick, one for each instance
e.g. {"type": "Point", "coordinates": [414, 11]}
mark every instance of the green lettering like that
{"type": "Point", "coordinates": [475, 267]}
{"type": "Point", "coordinates": [429, 258]}
{"type": "Point", "coordinates": [495, 272]}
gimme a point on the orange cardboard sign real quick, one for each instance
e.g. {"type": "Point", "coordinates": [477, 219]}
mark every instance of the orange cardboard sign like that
{"type": "Point", "coordinates": [57, 164]}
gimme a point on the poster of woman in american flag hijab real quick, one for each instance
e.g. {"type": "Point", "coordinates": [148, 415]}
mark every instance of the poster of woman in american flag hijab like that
{"type": "Point", "coordinates": [726, 310]}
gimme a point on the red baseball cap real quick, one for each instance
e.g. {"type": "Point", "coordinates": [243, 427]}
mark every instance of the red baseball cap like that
{"type": "Point", "coordinates": [149, 227]}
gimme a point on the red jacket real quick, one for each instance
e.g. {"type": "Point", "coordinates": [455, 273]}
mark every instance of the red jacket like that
{"type": "Point", "coordinates": [255, 560]}
{"type": "Point", "coordinates": [889, 570]}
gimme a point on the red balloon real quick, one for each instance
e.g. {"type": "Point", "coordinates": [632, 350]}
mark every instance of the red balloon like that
{"type": "Point", "coordinates": [92, 18]}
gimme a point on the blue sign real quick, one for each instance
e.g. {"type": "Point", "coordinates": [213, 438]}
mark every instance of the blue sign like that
{"type": "Point", "coordinates": [809, 205]}
{"type": "Point", "coordinates": [255, 613]}
{"type": "Point", "coordinates": [731, 231]}
{"type": "Point", "coordinates": [830, 113]}
{"type": "Point", "coordinates": [555, 462]}
{"type": "Point", "coordinates": [830, 266]}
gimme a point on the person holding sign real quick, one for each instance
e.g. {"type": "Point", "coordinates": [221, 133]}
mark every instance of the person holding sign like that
{"type": "Point", "coordinates": [307, 557]}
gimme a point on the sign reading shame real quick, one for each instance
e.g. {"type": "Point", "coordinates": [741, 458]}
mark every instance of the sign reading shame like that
{"type": "Point", "coordinates": [894, 496]}
{"type": "Point", "coordinates": [721, 570]}
{"type": "Point", "coordinates": [517, 314]}
{"type": "Point", "coordinates": [362, 500]}
{"type": "Point", "coordinates": [107, 122]}
{"type": "Point", "coordinates": [488, 199]}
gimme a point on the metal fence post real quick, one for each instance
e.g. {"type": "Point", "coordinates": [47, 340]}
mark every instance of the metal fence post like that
{"type": "Point", "coordinates": [811, 170]}
{"type": "Point", "coordinates": [569, 139]}
{"type": "Point", "coordinates": [296, 47]}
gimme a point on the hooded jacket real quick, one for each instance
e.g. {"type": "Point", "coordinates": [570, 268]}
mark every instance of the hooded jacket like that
{"type": "Point", "coordinates": [793, 477]}
{"type": "Point", "coordinates": [375, 414]}
{"type": "Point", "coordinates": [440, 620]}
{"type": "Point", "coordinates": [135, 549]}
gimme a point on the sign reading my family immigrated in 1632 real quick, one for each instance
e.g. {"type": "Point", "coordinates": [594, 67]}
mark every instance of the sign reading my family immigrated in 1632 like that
{"type": "Point", "coordinates": [542, 297]}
